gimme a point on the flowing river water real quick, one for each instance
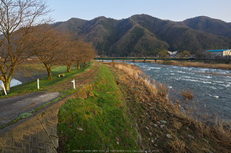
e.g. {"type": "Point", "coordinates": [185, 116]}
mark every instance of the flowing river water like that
{"type": "Point", "coordinates": [211, 87]}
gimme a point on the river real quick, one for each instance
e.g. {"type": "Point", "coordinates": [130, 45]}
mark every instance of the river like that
{"type": "Point", "coordinates": [211, 87]}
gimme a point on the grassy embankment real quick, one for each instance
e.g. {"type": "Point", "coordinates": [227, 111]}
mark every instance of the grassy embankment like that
{"type": "Point", "coordinates": [103, 121]}
{"type": "Point", "coordinates": [99, 122]}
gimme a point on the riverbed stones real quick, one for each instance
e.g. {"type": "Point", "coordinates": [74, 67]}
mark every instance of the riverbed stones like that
{"type": "Point", "coordinates": [169, 136]}
{"type": "Point", "coordinates": [190, 136]}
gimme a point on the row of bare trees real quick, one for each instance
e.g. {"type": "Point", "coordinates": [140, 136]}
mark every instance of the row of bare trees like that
{"type": "Point", "coordinates": [78, 52]}
{"type": "Point", "coordinates": [57, 48]}
{"type": "Point", "coordinates": [23, 35]}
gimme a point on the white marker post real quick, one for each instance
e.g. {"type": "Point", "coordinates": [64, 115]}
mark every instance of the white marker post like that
{"type": "Point", "coordinates": [4, 88]}
{"type": "Point", "coordinates": [73, 81]}
{"type": "Point", "coordinates": [38, 83]}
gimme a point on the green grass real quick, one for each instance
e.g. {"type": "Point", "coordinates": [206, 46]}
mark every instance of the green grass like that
{"type": "Point", "coordinates": [60, 69]}
{"type": "Point", "coordinates": [99, 122]}
{"type": "Point", "coordinates": [31, 86]}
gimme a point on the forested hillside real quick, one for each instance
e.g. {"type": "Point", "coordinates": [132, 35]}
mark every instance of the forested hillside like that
{"type": "Point", "coordinates": [144, 35]}
{"type": "Point", "coordinates": [209, 25]}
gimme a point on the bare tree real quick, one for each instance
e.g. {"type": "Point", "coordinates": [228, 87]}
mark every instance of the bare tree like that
{"type": "Point", "coordinates": [17, 17]}
{"type": "Point", "coordinates": [48, 45]}
{"type": "Point", "coordinates": [89, 53]}
{"type": "Point", "coordinates": [77, 51]}
{"type": "Point", "coordinates": [70, 54]}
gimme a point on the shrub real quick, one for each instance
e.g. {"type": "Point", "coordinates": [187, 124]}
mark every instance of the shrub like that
{"type": "Point", "coordinates": [187, 94]}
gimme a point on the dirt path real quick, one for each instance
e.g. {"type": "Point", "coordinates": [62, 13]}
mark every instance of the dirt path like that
{"type": "Point", "coordinates": [80, 79]}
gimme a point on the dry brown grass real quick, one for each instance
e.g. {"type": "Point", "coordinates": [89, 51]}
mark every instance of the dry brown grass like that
{"type": "Point", "coordinates": [204, 65]}
{"type": "Point", "coordinates": [196, 64]}
{"type": "Point", "coordinates": [135, 73]}
{"type": "Point", "coordinates": [219, 135]}
{"type": "Point", "coordinates": [162, 89]}
{"type": "Point", "coordinates": [188, 94]}
{"type": "Point", "coordinates": [177, 125]}
{"type": "Point", "coordinates": [150, 107]}
{"type": "Point", "coordinates": [177, 146]}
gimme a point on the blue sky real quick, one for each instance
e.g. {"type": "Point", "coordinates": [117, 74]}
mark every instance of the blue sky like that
{"type": "Point", "coordinates": [175, 10]}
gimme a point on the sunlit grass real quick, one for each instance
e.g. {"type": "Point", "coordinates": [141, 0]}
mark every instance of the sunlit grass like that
{"type": "Point", "coordinates": [99, 122]}
{"type": "Point", "coordinates": [44, 82]}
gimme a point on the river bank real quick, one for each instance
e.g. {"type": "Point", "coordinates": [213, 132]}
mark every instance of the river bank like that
{"type": "Point", "coordinates": [163, 126]}
{"type": "Point", "coordinates": [126, 112]}
{"type": "Point", "coordinates": [211, 87]}
{"type": "Point", "coordinates": [195, 64]}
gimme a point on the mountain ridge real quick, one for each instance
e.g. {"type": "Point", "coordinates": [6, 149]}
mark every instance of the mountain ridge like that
{"type": "Point", "coordinates": [144, 35]}
{"type": "Point", "coordinates": [209, 25]}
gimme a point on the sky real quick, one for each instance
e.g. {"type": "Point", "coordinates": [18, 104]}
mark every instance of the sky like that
{"type": "Point", "coordinates": [174, 10]}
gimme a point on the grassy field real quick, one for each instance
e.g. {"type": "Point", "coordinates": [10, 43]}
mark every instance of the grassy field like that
{"type": "Point", "coordinates": [45, 84]}
{"type": "Point", "coordinates": [99, 122]}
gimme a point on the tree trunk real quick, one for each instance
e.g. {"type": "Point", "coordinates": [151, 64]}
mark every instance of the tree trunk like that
{"type": "Point", "coordinates": [8, 79]}
{"type": "Point", "coordinates": [84, 64]}
{"type": "Point", "coordinates": [78, 65]}
{"type": "Point", "coordinates": [7, 85]}
{"type": "Point", "coordinates": [68, 68]}
{"type": "Point", "coordinates": [49, 72]}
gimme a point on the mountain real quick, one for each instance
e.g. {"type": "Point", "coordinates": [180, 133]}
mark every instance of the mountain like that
{"type": "Point", "coordinates": [144, 35]}
{"type": "Point", "coordinates": [209, 25]}
{"type": "Point", "coordinates": [73, 25]}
